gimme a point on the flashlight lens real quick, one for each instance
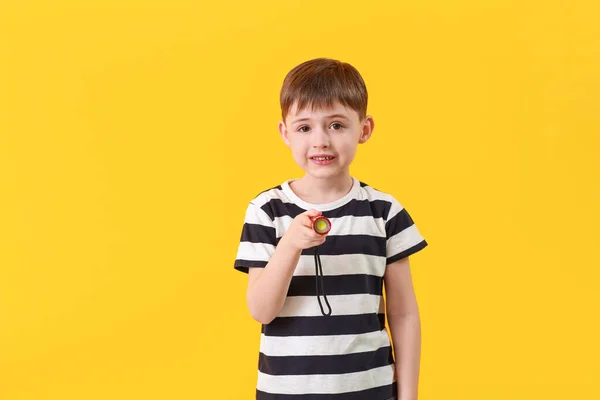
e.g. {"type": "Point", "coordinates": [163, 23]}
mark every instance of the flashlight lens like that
{"type": "Point", "coordinates": [321, 225]}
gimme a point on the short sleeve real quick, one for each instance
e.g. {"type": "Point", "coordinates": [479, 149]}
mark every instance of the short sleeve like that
{"type": "Point", "coordinates": [258, 240]}
{"type": "Point", "coordinates": [403, 237]}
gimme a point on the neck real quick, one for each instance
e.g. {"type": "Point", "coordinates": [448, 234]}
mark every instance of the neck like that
{"type": "Point", "coordinates": [321, 191]}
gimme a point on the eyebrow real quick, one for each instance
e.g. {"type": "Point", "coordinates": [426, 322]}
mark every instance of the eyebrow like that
{"type": "Point", "coordinates": [327, 116]}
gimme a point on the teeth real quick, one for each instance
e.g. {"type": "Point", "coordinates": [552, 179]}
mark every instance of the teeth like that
{"type": "Point", "coordinates": [322, 158]}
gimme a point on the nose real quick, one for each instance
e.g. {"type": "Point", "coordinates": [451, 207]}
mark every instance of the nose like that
{"type": "Point", "coordinates": [320, 138]}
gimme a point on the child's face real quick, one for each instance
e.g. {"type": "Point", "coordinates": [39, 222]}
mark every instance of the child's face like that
{"type": "Point", "coordinates": [324, 141]}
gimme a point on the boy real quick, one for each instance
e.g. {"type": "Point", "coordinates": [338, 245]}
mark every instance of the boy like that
{"type": "Point", "coordinates": [319, 297]}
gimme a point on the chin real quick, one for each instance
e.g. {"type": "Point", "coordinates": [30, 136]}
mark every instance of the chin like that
{"type": "Point", "coordinates": [324, 174]}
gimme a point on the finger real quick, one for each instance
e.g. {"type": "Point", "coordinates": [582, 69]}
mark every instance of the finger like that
{"type": "Point", "coordinates": [312, 213]}
{"type": "Point", "coordinates": [319, 241]}
{"type": "Point", "coordinates": [307, 219]}
{"type": "Point", "coordinates": [314, 235]}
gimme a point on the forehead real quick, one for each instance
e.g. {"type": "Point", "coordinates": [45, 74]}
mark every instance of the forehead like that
{"type": "Point", "coordinates": [310, 112]}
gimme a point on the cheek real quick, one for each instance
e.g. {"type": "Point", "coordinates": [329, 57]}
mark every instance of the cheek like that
{"type": "Point", "coordinates": [299, 149]}
{"type": "Point", "coordinates": [349, 149]}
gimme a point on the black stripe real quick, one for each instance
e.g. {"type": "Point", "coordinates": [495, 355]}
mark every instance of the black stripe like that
{"type": "Point", "coordinates": [326, 364]}
{"type": "Point", "coordinates": [321, 325]}
{"type": "Point", "coordinates": [349, 244]}
{"type": "Point", "coordinates": [268, 190]}
{"type": "Point", "coordinates": [277, 208]}
{"type": "Point", "coordinates": [387, 392]}
{"type": "Point", "coordinates": [357, 208]}
{"type": "Point", "coordinates": [336, 285]}
{"type": "Point", "coordinates": [256, 233]}
{"type": "Point", "coordinates": [244, 265]}
{"type": "Point", "coordinates": [398, 223]}
{"type": "Point", "coordinates": [407, 252]}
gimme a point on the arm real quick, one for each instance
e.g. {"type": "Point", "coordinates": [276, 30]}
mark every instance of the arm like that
{"type": "Point", "coordinates": [405, 326]}
{"type": "Point", "coordinates": [268, 286]}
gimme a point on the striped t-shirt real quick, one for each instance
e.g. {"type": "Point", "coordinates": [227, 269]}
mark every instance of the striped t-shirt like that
{"type": "Point", "coordinates": [304, 354]}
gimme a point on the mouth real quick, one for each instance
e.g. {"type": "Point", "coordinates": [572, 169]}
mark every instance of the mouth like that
{"type": "Point", "coordinates": [322, 159]}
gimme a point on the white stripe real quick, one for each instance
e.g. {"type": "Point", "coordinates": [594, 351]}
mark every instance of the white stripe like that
{"type": "Point", "coordinates": [329, 384]}
{"type": "Point", "coordinates": [269, 195]}
{"type": "Point", "coordinates": [347, 304]}
{"type": "Point", "coordinates": [345, 264]}
{"type": "Point", "coordinates": [395, 209]}
{"type": "Point", "coordinates": [373, 194]}
{"type": "Point", "coordinates": [323, 345]}
{"type": "Point", "coordinates": [255, 251]}
{"type": "Point", "coordinates": [282, 224]}
{"type": "Point", "coordinates": [255, 215]}
{"type": "Point", "coordinates": [403, 240]}
{"type": "Point", "coordinates": [347, 225]}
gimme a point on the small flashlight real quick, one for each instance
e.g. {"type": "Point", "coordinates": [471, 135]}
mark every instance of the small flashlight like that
{"type": "Point", "coordinates": [321, 225]}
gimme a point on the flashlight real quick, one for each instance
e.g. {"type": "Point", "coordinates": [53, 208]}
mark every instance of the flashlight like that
{"type": "Point", "coordinates": [321, 225]}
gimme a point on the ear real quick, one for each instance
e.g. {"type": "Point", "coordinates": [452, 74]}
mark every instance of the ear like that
{"type": "Point", "coordinates": [368, 125]}
{"type": "Point", "coordinates": [284, 133]}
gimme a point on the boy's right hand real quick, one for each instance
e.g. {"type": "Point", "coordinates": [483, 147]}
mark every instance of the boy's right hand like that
{"type": "Point", "coordinates": [301, 235]}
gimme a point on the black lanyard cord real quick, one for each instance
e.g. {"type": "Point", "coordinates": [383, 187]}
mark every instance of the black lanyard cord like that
{"type": "Point", "coordinates": [319, 271]}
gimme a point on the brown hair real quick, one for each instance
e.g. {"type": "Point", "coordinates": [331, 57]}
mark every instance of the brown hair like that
{"type": "Point", "coordinates": [322, 81]}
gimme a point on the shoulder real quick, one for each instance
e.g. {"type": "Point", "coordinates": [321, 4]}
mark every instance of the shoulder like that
{"type": "Point", "coordinates": [265, 196]}
{"type": "Point", "coordinates": [385, 201]}
{"type": "Point", "coordinates": [371, 193]}
{"type": "Point", "coordinates": [268, 201]}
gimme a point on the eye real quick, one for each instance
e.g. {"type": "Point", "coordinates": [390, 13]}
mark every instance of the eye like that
{"type": "Point", "coordinates": [301, 129]}
{"type": "Point", "coordinates": [339, 126]}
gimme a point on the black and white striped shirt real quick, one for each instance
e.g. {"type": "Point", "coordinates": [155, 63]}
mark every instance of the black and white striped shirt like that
{"type": "Point", "coordinates": [305, 355]}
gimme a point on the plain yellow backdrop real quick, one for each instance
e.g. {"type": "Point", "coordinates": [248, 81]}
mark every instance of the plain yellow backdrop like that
{"type": "Point", "coordinates": [134, 133]}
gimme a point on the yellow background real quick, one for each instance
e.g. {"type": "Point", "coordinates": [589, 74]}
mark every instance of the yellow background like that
{"type": "Point", "coordinates": [133, 134]}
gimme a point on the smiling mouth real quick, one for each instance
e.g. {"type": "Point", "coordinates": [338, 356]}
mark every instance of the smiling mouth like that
{"type": "Point", "coordinates": [322, 158]}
